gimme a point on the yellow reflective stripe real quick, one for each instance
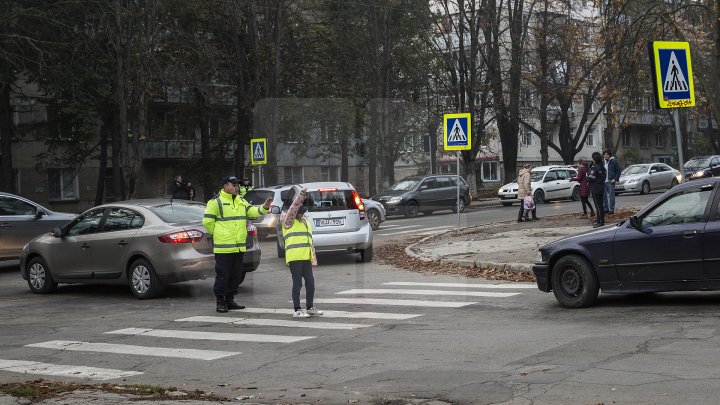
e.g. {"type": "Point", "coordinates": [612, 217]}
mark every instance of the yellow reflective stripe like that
{"type": "Point", "coordinates": [291, 234]}
{"type": "Point", "coordinates": [219, 204]}
{"type": "Point", "coordinates": [297, 245]}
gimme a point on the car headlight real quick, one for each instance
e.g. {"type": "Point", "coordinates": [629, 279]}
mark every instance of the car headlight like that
{"type": "Point", "coordinates": [632, 181]}
{"type": "Point", "coordinates": [394, 200]}
{"type": "Point", "coordinates": [539, 258]}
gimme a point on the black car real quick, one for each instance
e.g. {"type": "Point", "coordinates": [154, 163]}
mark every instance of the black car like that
{"type": "Point", "coordinates": [702, 166]}
{"type": "Point", "coordinates": [425, 194]}
{"type": "Point", "coordinates": [669, 245]}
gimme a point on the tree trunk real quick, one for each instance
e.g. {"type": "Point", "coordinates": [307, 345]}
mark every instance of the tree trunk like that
{"type": "Point", "coordinates": [102, 165]}
{"type": "Point", "coordinates": [7, 179]}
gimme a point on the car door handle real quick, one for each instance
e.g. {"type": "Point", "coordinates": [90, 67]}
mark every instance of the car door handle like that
{"type": "Point", "coordinates": [85, 246]}
{"type": "Point", "coordinates": [122, 243]}
{"type": "Point", "coordinates": [689, 234]}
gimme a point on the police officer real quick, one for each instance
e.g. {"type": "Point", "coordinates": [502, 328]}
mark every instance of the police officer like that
{"type": "Point", "coordinates": [225, 219]}
{"type": "Point", "coordinates": [245, 186]}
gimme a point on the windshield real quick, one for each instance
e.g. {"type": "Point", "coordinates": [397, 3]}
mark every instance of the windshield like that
{"type": "Point", "coordinates": [257, 197]}
{"type": "Point", "coordinates": [405, 185]}
{"type": "Point", "coordinates": [179, 212]}
{"type": "Point", "coordinates": [698, 163]}
{"type": "Point", "coordinates": [635, 169]}
{"type": "Point", "coordinates": [537, 175]}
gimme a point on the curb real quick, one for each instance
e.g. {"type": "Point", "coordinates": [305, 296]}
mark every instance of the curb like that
{"type": "Point", "coordinates": [514, 267]}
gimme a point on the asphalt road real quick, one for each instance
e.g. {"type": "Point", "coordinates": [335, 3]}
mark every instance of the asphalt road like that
{"type": "Point", "coordinates": [431, 338]}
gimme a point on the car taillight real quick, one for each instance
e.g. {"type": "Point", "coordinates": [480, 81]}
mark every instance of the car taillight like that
{"type": "Point", "coordinates": [182, 237]}
{"type": "Point", "coordinates": [359, 204]}
{"type": "Point", "coordinates": [251, 230]}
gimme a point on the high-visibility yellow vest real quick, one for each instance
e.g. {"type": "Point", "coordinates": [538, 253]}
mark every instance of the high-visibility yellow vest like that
{"type": "Point", "coordinates": [244, 189]}
{"type": "Point", "coordinates": [226, 220]}
{"type": "Point", "coordinates": [298, 241]}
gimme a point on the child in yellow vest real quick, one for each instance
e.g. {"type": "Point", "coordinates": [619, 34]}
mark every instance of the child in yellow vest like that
{"type": "Point", "coordinates": [299, 254]}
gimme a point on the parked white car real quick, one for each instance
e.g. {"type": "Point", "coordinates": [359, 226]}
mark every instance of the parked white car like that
{"type": "Point", "coordinates": [642, 178]}
{"type": "Point", "coordinates": [547, 182]}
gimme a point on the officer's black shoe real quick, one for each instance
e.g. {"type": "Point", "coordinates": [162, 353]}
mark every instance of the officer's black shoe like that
{"type": "Point", "coordinates": [221, 305]}
{"type": "Point", "coordinates": [231, 304]}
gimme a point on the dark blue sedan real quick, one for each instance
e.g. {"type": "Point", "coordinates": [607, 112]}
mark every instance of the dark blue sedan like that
{"type": "Point", "coordinates": [672, 244]}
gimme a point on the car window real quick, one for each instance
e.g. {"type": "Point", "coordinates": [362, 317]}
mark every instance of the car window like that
{"type": "Point", "coordinates": [86, 223]}
{"type": "Point", "coordinates": [329, 200]}
{"type": "Point", "coordinates": [715, 162]}
{"type": "Point", "coordinates": [405, 185]}
{"type": "Point", "coordinates": [13, 206]}
{"type": "Point", "coordinates": [179, 212]}
{"type": "Point", "coordinates": [552, 175]}
{"type": "Point", "coordinates": [443, 182]}
{"type": "Point", "coordinates": [686, 207]}
{"type": "Point", "coordinates": [562, 174]}
{"type": "Point", "coordinates": [120, 219]}
{"type": "Point", "coordinates": [536, 176]}
{"type": "Point", "coordinates": [429, 183]}
{"type": "Point", "coordinates": [257, 197]}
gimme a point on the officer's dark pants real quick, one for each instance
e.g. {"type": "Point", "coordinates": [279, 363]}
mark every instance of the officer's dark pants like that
{"type": "Point", "coordinates": [228, 269]}
{"type": "Point", "coordinates": [302, 269]}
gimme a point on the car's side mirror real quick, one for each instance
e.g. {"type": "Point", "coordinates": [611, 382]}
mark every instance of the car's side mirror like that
{"type": "Point", "coordinates": [274, 209]}
{"type": "Point", "coordinates": [57, 232]}
{"type": "Point", "coordinates": [39, 212]}
{"type": "Point", "coordinates": [635, 223]}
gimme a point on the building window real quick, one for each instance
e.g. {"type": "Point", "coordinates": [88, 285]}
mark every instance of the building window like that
{"type": "Point", "coordinates": [644, 138]}
{"type": "Point", "coordinates": [664, 159]}
{"type": "Point", "coordinates": [527, 139]}
{"type": "Point", "coordinates": [673, 141]}
{"type": "Point", "coordinates": [62, 185]}
{"type": "Point", "coordinates": [292, 175]}
{"type": "Point", "coordinates": [329, 173]}
{"type": "Point", "coordinates": [490, 171]}
{"type": "Point", "coordinates": [626, 139]}
{"type": "Point", "coordinates": [659, 140]}
{"type": "Point", "coordinates": [591, 136]}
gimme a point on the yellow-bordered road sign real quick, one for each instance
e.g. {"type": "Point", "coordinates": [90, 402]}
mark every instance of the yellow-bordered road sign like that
{"type": "Point", "coordinates": [457, 131]}
{"type": "Point", "coordinates": [673, 80]}
{"type": "Point", "coordinates": [258, 151]}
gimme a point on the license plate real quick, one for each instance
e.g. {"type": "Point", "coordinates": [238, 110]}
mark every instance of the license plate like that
{"type": "Point", "coordinates": [330, 222]}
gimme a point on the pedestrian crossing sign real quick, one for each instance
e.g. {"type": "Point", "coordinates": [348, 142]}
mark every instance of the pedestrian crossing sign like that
{"type": "Point", "coordinates": [673, 79]}
{"type": "Point", "coordinates": [258, 151]}
{"type": "Point", "coordinates": [457, 131]}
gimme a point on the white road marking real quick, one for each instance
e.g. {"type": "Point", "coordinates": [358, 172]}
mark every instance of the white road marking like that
{"type": "Point", "coordinates": [405, 303]}
{"type": "Point", "coordinates": [63, 370]}
{"type": "Point", "coordinates": [468, 285]}
{"type": "Point", "coordinates": [331, 314]}
{"type": "Point", "coordinates": [420, 231]}
{"type": "Point", "coordinates": [136, 350]}
{"type": "Point", "coordinates": [234, 337]}
{"type": "Point", "coordinates": [273, 322]}
{"type": "Point", "coordinates": [426, 292]}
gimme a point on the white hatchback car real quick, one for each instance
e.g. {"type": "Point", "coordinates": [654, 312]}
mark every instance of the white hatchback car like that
{"type": "Point", "coordinates": [547, 182]}
{"type": "Point", "coordinates": [337, 216]}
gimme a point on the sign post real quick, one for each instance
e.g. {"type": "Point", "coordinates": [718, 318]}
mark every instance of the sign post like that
{"type": "Point", "coordinates": [673, 83]}
{"type": "Point", "coordinates": [258, 154]}
{"type": "Point", "coordinates": [457, 135]}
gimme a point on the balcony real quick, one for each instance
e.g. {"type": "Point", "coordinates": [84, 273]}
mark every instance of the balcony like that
{"type": "Point", "coordinates": [177, 149]}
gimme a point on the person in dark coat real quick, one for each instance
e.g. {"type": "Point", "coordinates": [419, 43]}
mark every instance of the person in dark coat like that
{"type": "Point", "coordinates": [179, 189]}
{"type": "Point", "coordinates": [581, 178]}
{"type": "Point", "coordinates": [596, 180]}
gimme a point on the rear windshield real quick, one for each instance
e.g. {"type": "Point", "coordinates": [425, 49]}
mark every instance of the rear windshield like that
{"type": "Point", "coordinates": [318, 201]}
{"type": "Point", "coordinates": [179, 212]}
{"type": "Point", "coordinates": [257, 197]}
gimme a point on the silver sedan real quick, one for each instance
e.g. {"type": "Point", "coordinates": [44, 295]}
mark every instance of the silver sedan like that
{"type": "Point", "coordinates": [145, 244]}
{"type": "Point", "coordinates": [644, 177]}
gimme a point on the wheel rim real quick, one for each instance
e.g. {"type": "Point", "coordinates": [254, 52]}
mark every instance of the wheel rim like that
{"type": "Point", "coordinates": [141, 279]}
{"type": "Point", "coordinates": [373, 219]}
{"type": "Point", "coordinates": [412, 209]}
{"type": "Point", "coordinates": [645, 188]}
{"type": "Point", "coordinates": [461, 205]}
{"type": "Point", "coordinates": [571, 282]}
{"type": "Point", "coordinates": [539, 197]}
{"type": "Point", "coordinates": [37, 275]}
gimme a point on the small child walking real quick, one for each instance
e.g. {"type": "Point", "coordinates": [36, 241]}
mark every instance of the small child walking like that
{"type": "Point", "coordinates": [300, 254]}
{"type": "Point", "coordinates": [529, 205]}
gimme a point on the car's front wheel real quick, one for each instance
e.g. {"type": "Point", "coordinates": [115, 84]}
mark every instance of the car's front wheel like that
{"type": "Point", "coordinates": [574, 282]}
{"type": "Point", "coordinates": [143, 280]}
{"type": "Point", "coordinates": [539, 197]}
{"type": "Point", "coordinates": [39, 279]}
{"type": "Point", "coordinates": [411, 209]}
{"type": "Point", "coordinates": [374, 219]}
{"type": "Point", "coordinates": [645, 188]}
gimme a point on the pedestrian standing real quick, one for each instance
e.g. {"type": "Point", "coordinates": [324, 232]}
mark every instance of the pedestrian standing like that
{"type": "Point", "coordinates": [226, 220]}
{"type": "Point", "coordinates": [191, 191]}
{"type": "Point", "coordinates": [582, 178]}
{"type": "Point", "coordinates": [596, 180]}
{"type": "Point", "coordinates": [245, 186]}
{"type": "Point", "coordinates": [612, 168]}
{"type": "Point", "coordinates": [524, 187]}
{"type": "Point", "coordinates": [179, 189]}
{"type": "Point", "coordinates": [300, 254]}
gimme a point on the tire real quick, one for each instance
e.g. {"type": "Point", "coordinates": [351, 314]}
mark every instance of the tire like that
{"type": "Point", "coordinates": [645, 188]}
{"type": "Point", "coordinates": [539, 197]}
{"type": "Point", "coordinates": [143, 280]}
{"type": "Point", "coordinates": [39, 279]}
{"type": "Point", "coordinates": [673, 183]}
{"type": "Point", "coordinates": [280, 250]}
{"type": "Point", "coordinates": [374, 219]}
{"type": "Point", "coordinates": [427, 212]}
{"type": "Point", "coordinates": [574, 282]}
{"type": "Point", "coordinates": [507, 204]}
{"type": "Point", "coordinates": [366, 255]}
{"type": "Point", "coordinates": [411, 209]}
{"type": "Point", "coordinates": [575, 194]}
{"type": "Point", "coordinates": [461, 204]}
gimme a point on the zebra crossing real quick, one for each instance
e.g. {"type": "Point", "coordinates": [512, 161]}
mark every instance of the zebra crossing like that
{"type": "Point", "coordinates": [396, 229]}
{"type": "Point", "coordinates": [408, 295]}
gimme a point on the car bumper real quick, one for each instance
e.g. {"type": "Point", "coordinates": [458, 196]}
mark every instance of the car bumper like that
{"type": "Point", "coordinates": [626, 187]}
{"type": "Point", "coordinates": [541, 271]}
{"type": "Point", "coordinates": [348, 241]}
{"type": "Point", "coordinates": [267, 226]}
{"type": "Point", "coordinates": [184, 266]}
